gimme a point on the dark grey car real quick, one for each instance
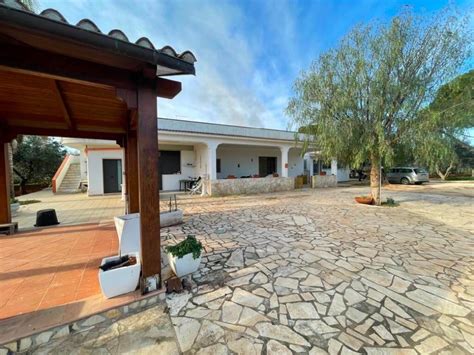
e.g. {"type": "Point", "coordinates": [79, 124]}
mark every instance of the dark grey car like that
{"type": "Point", "coordinates": [407, 175]}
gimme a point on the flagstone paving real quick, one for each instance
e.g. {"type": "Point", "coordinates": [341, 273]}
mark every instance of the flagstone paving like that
{"type": "Point", "coordinates": [312, 272]}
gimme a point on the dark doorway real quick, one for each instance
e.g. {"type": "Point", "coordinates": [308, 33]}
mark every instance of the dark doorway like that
{"type": "Point", "coordinates": [267, 165]}
{"type": "Point", "coordinates": [169, 162]}
{"type": "Point", "coordinates": [112, 170]}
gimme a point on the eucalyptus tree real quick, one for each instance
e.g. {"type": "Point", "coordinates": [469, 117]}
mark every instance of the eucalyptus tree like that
{"type": "Point", "coordinates": [359, 100]}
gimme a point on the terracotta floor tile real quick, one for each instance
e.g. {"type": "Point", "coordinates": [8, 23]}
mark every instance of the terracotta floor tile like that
{"type": "Point", "coordinates": [50, 267]}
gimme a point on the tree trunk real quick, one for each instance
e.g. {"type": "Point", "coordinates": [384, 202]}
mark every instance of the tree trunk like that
{"type": "Point", "coordinates": [375, 180]}
{"type": "Point", "coordinates": [446, 174]}
{"type": "Point", "coordinates": [23, 187]}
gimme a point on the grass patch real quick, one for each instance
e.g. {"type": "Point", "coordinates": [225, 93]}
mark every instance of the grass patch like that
{"type": "Point", "coordinates": [390, 203]}
{"type": "Point", "coordinates": [461, 178]}
{"type": "Point", "coordinates": [28, 202]}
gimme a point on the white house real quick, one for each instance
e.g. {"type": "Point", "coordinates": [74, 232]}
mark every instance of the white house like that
{"type": "Point", "coordinates": [230, 159]}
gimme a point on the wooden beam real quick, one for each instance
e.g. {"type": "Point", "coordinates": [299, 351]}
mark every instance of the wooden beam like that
{"type": "Point", "coordinates": [132, 124]}
{"type": "Point", "coordinates": [147, 147]}
{"type": "Point", "coordinates": [59, 98]}
{"type": "Point", "coordinates": [5, 214]}
{"type": "Point", "coordinates": [34, 61]}
{"type": "Point", "coordinates": [36, 131]}
{"type": "Point", "coordinates": [131, 172]}
{"type": "Point", "coordinates": [167, 89]}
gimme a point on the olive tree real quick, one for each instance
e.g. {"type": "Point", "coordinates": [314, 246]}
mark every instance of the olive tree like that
{"type": "Point", "coordinates": [358, 100]}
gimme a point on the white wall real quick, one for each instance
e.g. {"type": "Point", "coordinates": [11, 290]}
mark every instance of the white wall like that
{"type": "Point", "coordinates": [83, 163]}
{"type": "Point", "coordinates": [188, 170]}
{"type": "Point", "coordinates": [95, 169]}
{"type": "Point", "coordinates": [247, 157]}
{"type": "Point", "coordinates": [343, 174]}
{"type": "Point", "coordinates": [295, 162]}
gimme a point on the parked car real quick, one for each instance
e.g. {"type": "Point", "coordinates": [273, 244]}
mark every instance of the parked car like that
{"type": "Point", "coordinates": [408, 175]}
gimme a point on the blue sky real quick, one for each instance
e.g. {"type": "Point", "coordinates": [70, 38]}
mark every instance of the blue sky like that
{"type": "Point", "coordinates": [249, 52]}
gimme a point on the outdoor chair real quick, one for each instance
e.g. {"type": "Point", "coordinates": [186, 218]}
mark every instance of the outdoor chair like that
{"type": "Point", "coordinates": [197, 187]}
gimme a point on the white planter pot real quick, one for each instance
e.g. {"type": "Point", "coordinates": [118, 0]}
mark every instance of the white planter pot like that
{"type": "Point", "coordinates": [171, 218]}
{"type": "Point", "coordinates": [128, 231]}
{"type": "Point", "coordinates": [185, 265]}
{"type": "Point", "coordinates": [14, 207]}
{"type": "Point", "coordinates": [119, 281]}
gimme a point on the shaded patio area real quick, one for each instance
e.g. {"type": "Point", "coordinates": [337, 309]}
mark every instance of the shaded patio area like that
{"type": "Point", "coordinates": [49, 277]}
{"type": "Point", "coordinates": [50, 267]}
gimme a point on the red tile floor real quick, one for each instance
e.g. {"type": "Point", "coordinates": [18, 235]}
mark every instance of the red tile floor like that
{"type": "Point", "coordinates": [49, 277]}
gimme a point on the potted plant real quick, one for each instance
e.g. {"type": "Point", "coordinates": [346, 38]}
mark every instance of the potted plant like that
{"type": "Point", "coordinates": [14, 206]}
{"type": "Point", "coordinates": [185, 257]}
{"type": "Point", "coordinates": [119, 274]}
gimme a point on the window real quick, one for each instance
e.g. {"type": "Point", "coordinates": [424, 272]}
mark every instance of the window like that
{"type": "Point", "coordinates": [218, 165]}
{"type": "Point", "coordinates": [326, 165]}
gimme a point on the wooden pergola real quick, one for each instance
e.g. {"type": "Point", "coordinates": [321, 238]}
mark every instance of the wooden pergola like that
{"type": "Point", "coordinates": [58, 79]}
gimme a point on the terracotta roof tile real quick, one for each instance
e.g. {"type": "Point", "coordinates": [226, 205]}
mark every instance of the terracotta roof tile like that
{"type": "Point", "coordinates": [89, 25]}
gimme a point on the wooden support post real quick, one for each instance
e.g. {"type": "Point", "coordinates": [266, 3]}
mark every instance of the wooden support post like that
{"type": "Point", "coordinates": [5, 213]}
{"type": "Point", "coordinates": [147, 146]}
{"type": "Point", "coordinates": [131, 172]}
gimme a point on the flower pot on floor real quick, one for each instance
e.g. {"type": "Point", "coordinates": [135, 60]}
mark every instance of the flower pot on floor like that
{"type": "Point", "coordinates": [184, 265]}
{"type": "Point", "coordinates": [121, 280]}
{"type": "Point", "coordinates": [365, 200]}
{"type": "Point", "coordinates": [128, 231]}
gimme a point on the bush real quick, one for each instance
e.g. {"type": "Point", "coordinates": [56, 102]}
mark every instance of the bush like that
{"type": "Point", "coordinates": [189, 245]}
{"type": "Point", "coordinates": [390, 202]}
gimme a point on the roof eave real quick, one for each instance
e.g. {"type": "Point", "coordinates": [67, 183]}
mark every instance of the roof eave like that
{"type": "Point", "coordinates": [100, 41]}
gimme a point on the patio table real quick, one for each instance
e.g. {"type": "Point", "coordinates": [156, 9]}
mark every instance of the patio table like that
{"type": "Point", "coordinates": [187, 183]}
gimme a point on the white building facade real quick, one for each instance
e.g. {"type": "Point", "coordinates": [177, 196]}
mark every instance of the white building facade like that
{"type": "Point", "coordinates": [223, 156]}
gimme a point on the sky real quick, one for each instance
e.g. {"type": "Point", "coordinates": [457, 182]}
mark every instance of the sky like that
{"type": "Point", "coordinates": [249, 52]}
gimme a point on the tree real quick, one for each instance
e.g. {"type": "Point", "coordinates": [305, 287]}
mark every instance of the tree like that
{"type": "Point", "coordinates": [440, 144]}
{"type": "Point", "coordinates": [36, 160]}
{"type": "Point", "coordinates": [30, 5]}
{"type": "Point", "coordinates": [360, 99]}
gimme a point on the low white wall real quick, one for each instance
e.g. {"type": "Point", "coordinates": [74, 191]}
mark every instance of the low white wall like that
{"type": "Point", "coordinates": [95, 169]}
{"type": "Point", "coordinates": [224, 187]}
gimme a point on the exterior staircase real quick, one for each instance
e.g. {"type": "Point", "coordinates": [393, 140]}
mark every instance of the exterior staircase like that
{"type": "Point", "coordinates": [72, 180]}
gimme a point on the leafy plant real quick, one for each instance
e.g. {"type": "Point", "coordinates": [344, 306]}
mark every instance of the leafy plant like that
{"type": "Point", "coordinates": [390, 202]}
{"type": "Point", "coordinates": [13, 200]}
{"type": "Point", "coordinates": [189, 245]}
{"type": "Point", "coordinates": [359, 101]}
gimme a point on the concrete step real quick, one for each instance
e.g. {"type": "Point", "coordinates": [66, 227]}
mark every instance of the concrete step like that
{"type": "Point", "coordinates": [71, 180]}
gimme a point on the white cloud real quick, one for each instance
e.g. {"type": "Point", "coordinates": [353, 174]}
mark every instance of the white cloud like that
{"type": "Point", "coordinates": [237, 80]}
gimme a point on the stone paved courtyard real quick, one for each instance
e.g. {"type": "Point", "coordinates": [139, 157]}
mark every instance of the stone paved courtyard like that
{"type": "Point", "coordinates": [312, 272]}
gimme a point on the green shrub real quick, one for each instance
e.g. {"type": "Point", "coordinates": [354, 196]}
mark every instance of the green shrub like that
{"type": "Point", "coordinates": [13, 200]}
{"type": "Point", "coordinates": [390, 202]}
{"type": "Point", "coordinates": [28, 202]}
{"type": "Point", "coordinates": [189, 245]}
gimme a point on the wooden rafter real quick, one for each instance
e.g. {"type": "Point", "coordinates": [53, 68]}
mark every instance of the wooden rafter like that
{"type": "Point", "coordinates": [60, 100]}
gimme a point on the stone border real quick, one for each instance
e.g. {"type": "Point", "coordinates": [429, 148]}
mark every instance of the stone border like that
{"type": "Point", "coordinates": [32, 341]}
{"type": "Point", "coordinates": [249, 186]}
